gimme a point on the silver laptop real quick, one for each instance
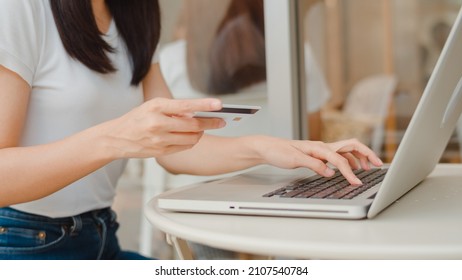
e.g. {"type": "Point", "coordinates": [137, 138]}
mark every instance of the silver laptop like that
{"type": "Point", "coordinates": [276, 192]}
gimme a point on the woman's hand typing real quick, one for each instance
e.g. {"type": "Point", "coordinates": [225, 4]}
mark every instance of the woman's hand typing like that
{"type": "Point", "coordinates": [346, 155]}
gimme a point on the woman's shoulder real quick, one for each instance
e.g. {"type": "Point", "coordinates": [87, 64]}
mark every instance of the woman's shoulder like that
{"type": "Point", "coordinates": [21, 31]}
{"type": "Point", "coordinates": [22, 6]}
{"type": "Point", "coordinates": [22, 13]}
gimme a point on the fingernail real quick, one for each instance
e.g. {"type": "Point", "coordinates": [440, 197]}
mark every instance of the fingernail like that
{"type": "Point", "coordinates": [216, 104]}
{"type": "Point", "coordinates": [329, 172]}
{"type": "Point", "coordinates": [222, 124]}
{"type": "Point", "coordinates": [357, 182]}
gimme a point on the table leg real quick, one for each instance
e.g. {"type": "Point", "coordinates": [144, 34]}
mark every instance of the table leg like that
{"type": "Point", "coordinates": [181, 247]}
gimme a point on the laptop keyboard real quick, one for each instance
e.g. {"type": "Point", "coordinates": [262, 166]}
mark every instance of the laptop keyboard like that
{"type": "Point", "coordinates": [335, 187]}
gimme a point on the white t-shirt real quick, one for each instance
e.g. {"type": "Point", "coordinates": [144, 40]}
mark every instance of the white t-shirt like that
{"type": "Point", "coordinates": [66, 97]}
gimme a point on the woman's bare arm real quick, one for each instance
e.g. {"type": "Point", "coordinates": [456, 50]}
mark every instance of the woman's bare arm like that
{"type": "Point", "coordinates": [30, 173]}
{"type": "Point", "coordinates": [215, 155]}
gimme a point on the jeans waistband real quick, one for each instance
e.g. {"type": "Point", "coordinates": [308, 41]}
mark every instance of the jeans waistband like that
{"type": "Point", "coordinates": [105, 214]}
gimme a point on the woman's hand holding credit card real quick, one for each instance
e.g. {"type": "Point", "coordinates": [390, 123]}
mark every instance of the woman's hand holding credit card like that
{"type": "Point", "coordinates": [230, 113]}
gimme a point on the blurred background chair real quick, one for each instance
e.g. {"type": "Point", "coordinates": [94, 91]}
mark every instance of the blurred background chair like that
{"type": "Point", "coordinates": [364, 113]}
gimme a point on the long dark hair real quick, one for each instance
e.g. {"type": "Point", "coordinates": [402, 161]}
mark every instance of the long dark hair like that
{"type": "Point", "coordinates": [138, 23]}
{"type": "Point", "coordinates": [237, 53]}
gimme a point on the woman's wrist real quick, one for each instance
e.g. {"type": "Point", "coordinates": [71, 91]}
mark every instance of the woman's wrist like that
{"type": "Point", "coordinates": [103, 146]}
{"type": "Point", "coordinates": [257, 148]}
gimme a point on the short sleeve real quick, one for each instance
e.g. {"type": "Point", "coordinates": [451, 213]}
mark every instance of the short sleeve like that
{"type": "Point", "coordinates": [19, 37]}
{"type": "Point", "coordinates": [155, 57]}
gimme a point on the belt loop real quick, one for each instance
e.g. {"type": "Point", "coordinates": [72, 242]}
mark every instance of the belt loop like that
{"type": "Point", "coordinates": [103, 233]}
{"type": "Point", "coordinates": [113, 216]}
{"type": "Point", "coordinates": [77, 225]}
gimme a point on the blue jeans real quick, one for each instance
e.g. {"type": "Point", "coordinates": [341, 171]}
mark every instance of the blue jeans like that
{"type": "Point", "coordinates": [91, 235]}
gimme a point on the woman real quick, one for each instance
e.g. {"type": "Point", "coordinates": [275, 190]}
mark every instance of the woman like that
{"type": "Point", "coordinates": [81, 93]}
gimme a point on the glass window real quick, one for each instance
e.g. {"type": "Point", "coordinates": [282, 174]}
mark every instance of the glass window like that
{"type": "Point", "coordinates": [376, 58]}
{"type": "Point", "coordinates": [217, 48]}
